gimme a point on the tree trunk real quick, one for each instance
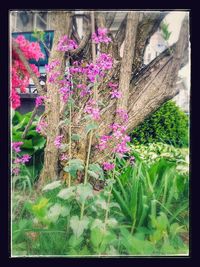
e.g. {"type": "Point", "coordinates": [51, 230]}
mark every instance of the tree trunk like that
{"type": "Point", "coordinates": [60, 23]}
{"type": "Point", "coordinates": [144, 90]}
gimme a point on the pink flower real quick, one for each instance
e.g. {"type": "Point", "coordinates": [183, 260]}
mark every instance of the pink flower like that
{"type": "Point", "coordinates": [41, 126]}
{"type": "Point", "coordinates": [113, 85]}
{"type": "Point", "coordinates": [116, 94]}
{"type": "Point", "coordinates": [101, 36]}
{"type": "Point", "coordinates": [91, 108]}
{"type": "Point", "coordinates": [16, 146]}
{"type": "Point", "coordinates": [58, 141]}
{"type": "Point", "coordinates": [39, 101]}
{"type": "Point", "coordinates": [103, 142]}
{"type": "Point", "coordinates": [25, 158]}
{"type": "Point", "coordinates": [52, 65]}
{"type": "Point", "coordinates": [66, 44]}
{"type": "Point", "coordinates": [16, 171]}
{"type": "Point", "coordinates": [63, 156]}
{"type": "Point", "coordinates": [107, 166]}
{"type": "Point", "coordinates": [123, 114]}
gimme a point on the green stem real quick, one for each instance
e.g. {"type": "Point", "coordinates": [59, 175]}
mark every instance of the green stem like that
{"type": "Point", "coordinates": [133, 226]}
{"type": "Point", "coordinates": [88, 157]}
{"type": "Point", "coordinates": [86, 171]}
{"type": "Point", "coordinates": [70, 140]}
{"type": "Point", "coordinates": [109, 196]}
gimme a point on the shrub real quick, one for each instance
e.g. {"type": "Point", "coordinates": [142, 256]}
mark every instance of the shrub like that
{"type": "Point", "coordinates": [169, 124]}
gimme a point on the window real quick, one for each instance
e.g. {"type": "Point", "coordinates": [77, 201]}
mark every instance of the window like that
{"type": "Point", "coordinates": [25, 21]}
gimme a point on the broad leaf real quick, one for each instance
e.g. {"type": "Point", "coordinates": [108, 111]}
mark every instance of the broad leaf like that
{"type": "Point", "coordinates": [66, 193]}
{"type": "Point", "coordinates": [78, 226]}
{"type": "Point", "coordinates": [55, 211]}
{"type": "Point", "coordinates": [52, 186]}
{"type": "Point", "coordinates": [84, 192]}
{"type": "Point", "coordinates": [91, 126]}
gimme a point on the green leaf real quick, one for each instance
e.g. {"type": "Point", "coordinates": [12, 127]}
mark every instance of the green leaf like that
{"type": "Point", "coordinates": [52, 186]}
{"type": "Point", "coordinates": [96, 236]}
{"type": "Point", "coordinates": [76, 137]}
{"type": "Point", "coordinates": [55, 211]}
{"type": "Point", "coordinates": [93, 174]}
{"type": "Point", "coordinates": [38, 142]}
{"type": "Point", "coordinates": [74, 165]}
{"type": "Point", "coordinates": [96, 168]}
{"type": "Point", "coordinates": [91, 126]}
{"type": "Point", "coordinates": [84, 192]}
{"type": "Point", "coordinates": [66, 193]}
{"type": "Point", "coordinates": [78, 226]}
{"type": "Point", "coordinates": [97, 223]}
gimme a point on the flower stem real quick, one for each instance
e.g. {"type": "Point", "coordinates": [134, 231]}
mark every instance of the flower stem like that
{"type": "Point", "coordinates": [88, 157]}
{"type": "Point", "coordinates": [70, 140]}
{"type": "Point", "coordinates": [86, 171]}
{"type": "Point", "coordinates": [109, 197]}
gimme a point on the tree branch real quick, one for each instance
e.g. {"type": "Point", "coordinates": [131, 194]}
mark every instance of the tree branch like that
{"type": "Point", "coordinates": [146, 28]}
{"type": "Point", "coordinates": [127, 60]}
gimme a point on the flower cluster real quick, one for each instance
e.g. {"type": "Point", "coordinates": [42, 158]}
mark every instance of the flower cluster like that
{"type": "Point", "coordinates": [66, 44]}
{"type": "Point", "coordinates": [101, 36]}
{"type": "Point", "coordinates": [114, 93]}
{"type": "Point", "coordinates": [31, 50]}
{"type": "Point", "coordinates": [92, 109]}
{"type": "Point", "coordinates": [84, 90]}
{"type": "Point", "coordinates": [58, 141]}
{"type": "Point", "coordinates": [117, 142]}
{"type": "Point", "coordinates": [25, 158]}
{"type": "Point", "coordinates": [39, 101]}
{"type": "Point", "coordinates": [63, 157]}
{"type": "Point", "coordinates": [16, 146]}
{"type": "Point", "coordinates": [41, 126]}
{"type": "Point", "coordinates": [20, 75]}
{"type": "Point", "coordinates": [107, 166]}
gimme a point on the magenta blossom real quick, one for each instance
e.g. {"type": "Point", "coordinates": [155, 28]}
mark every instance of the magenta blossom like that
{"type": "Point", "coordinates": [103, 142]}
{"type": "Point", "coordinates": [113, 85]}
{"type": "Point", "coordinates": [92, 109]}
{"type": "Point", "coordinates": [41, 126]}
{"type": "Point", "coordinates": [52, 65]}
{"type": "Point", "coordinates": [101, 36]}
{"type": "Point", "coordinates": [16, 171]}
{"type": "Point", "coordinates": [66, 44]}
{"type": "Point", "coordinates": [63, 156]}
{"type": "Point", "coordinates": [116, 94]}
{"type": "Point", "coordinates": [16, 146]}
{"type": "Point", "coordinates": [39, 101]}
{"type": "Point", "coordinates": [107, 166]}
{"type": "Point", "coordinates": [123, 114]}
{"type": "Point", "coordinates": [58, 141]}
{"type": "Point", "coordinates": [25, 158]}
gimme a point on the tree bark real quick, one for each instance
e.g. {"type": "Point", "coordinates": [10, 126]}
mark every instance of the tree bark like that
{"type": "Point", "coordinates": [60, 23]}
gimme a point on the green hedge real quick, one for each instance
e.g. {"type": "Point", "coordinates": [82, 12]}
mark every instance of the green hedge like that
{"type": "Point", "coordinates": [169, 124]}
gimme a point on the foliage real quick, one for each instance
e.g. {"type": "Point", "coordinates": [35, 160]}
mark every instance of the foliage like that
{"type": "Point", "coordinates": [146, 215]}
{"type": "Point", "coordinates": [33, 145]}
{"type": "Point", "coordinates": [168, 124]}
{"type": "Point", "coordinates": [153, 152]}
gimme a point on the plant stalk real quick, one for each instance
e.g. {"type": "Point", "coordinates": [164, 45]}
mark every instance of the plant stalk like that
{"type": "Point", "coordinates": [70, 140]}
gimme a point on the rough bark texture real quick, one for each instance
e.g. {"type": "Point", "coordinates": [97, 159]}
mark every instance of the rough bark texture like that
{"type": "Point", "coordinates": [60, 23]}
{"type": "Point", "coordinates": [127, 60]}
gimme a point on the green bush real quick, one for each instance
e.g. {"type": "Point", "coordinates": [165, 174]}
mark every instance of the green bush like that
{"type": "Point", "coordinates": [169, 124]}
